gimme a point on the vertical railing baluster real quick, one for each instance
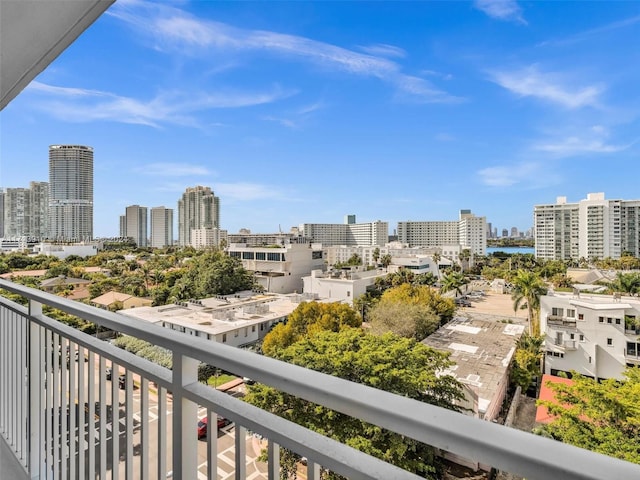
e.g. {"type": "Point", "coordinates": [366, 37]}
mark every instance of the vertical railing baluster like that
{"type": "Point", "coordinates": [313, 470]}
{"type": "Point", "coordinates": [144, 429]}
{"type": "Point", "coordinates": [185, 451]}
{"type": "Point", "coordinates": [212, 444]}
{"type": "Point", "coordinates": [35, 372]}
{"type": "Point", "coordinates": [50, 360]}
{"type": "Point", "coordinates": [115, 422]}
{"type": "Point", "coordinates": [65, 408]}
{"type": "Point", "coordinates": [102, 429]}
{"type": "Point", "coordinates": [91, 417]}
{"type": "Point", "coordinates": [56, 426]}
{"type": "Point", "coordinates": [83, 420]}
{"type": "Point", "coordinates": [162, 432]}
{"type": "Point", "coordinates": [273, 460]}
{"type": "Point", "coordinates": [241, 452]}
{"type": "Point", "coordinates": [128, 406]}
{"type": "Point", "coordinates": [73, 401]}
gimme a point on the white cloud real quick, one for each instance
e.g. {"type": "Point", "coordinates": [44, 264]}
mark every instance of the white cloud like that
{"type": "Point", "coordinates": [384, 50]}
{"type": "Point", "coordinates": [530, 82]}
{"type": "Point", "coordinates": [173, 169]}
{"type": "Point", "coordinates": [570, 146]}
{"type": "Point", "coordinates": [510, 175]}
{"type": "Point", "coordinates": [175, 30]}
{"type": "Point", "coordinates": [246, 191]}
{"type": "Point", "coordinates": [81, 105]}
{"type": "Point", "coordinates": [507, 10]}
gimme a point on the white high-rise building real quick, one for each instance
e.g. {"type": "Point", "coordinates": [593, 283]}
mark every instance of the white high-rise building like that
{"type": "Point", "coordinates": [135, 223]}
{"type": "Point", "coordinates": [361, 234]}
{"type": "Point", "coordinates": [469, 231]}
{"type": "Point", "coordinates": [25, 211]}
{"type": "Point", "coordinates": [591, 228]}
{"type": "Point", "coordinates": [161, 227]}
{"type": "Point", "coordinates": [198, 208]}
{"type": "Point", "coordinates": [71, 192]}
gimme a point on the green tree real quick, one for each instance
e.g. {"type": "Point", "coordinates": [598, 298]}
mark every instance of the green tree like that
{"type": "Point", "coordinates": [453, 281]}
{"type": "Point", "coordinates": [388, 362]}
{"type": "Point", "coordinates": [410, 311]}
{"type": "Point", "coordinates": [527, 360]}
{"type": "Point", "coordinates": [385, 260]}
{"type": "Point", "coordinates": [600, 416]}
{"type": "Point", "coordinates": [628, 283]}
{"type": "Point", "coordinates": [306, 319]}
{"type": "Point", "coordinates": [375, 255]}
{"type": "Point", "coordinates": [528, 287]}
{"type": "Point", "coordinates": [436, 259]}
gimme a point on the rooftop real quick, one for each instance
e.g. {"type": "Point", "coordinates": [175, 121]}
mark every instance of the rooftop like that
{"type": "Point", "coordinates": [482, 351]}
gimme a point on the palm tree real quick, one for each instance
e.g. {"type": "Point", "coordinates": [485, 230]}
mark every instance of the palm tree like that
{"type": "Point", "coordinates": [628, 283]}
{"type": "Point", "coordinates": [453, 281]}
{"type": "Point", "coordinates": [436, 259]}
{"type": "Point", "coordinates": [465, 256]}
{"type": "Point", "coordinates": [385, 260]}
{"type": "Point", "coordinates": [528, 287]}
{"type": "Point", "coordinates": [375, 255]}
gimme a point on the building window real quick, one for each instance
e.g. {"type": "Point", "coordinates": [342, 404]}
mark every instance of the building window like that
{"type": "Point", "coordinates": [571, 313]}
{"type": "Point", "coordinates": [261, 256]}
{"type": "Point", "coordinates": [617, 321]}
{"type": "Point", "coordinates": [224, 338]}
{"type": "Point", "coordinates": [609, 319]}
{"type": "Point", "coordinates": [261, 327]}
{"type": "Point", "coordinates": [572, 336]}
{"type": "Point", "coordinates": [581, 337]}
{"type": "Point", "coordinates": [609, 341]}
{"type": "Point", "coordinates": [253, 328]}
{"type": "Point", "coordinates": [247, 255]}
{"type": "Point", "coordinates": [273, 257]}
{"type": "Point", "coordinates": [235, 334]}
{"type": "Point", "coordinates": [558, 312]}
{"type": "Point", "coordinates": [581, 316]}
{"type": "Point", "coordinates": [601, 319]}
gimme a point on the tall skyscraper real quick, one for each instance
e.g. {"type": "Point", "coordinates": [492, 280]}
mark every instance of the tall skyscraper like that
{"type": "Point", "coordinates": [135, 223]}
{"type": "Point", "coordinates": [71, 192]}
{"type": "Point", "coordinates": [161, 227]}
{"type": "Point", "coordinates": [198, 208]}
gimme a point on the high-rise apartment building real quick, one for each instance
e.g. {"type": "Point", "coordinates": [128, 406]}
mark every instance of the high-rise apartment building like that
{"type": "Point", "coordinates": [161, 227]}
{"type": "Point", "coordinates": [71, 192]}
{"type": "Point", "coordinates": [198, 208]}
{"type": "Point", "coordinates": [591, 228]}
{"type": "Point", "coordinates": [469, 231]}
{"type": "Point", "coordinates": [361, 234]}
{"type": "Point", "coordinates": [25, 211]}
{"type": "Point", "coordinates": [135, 225]}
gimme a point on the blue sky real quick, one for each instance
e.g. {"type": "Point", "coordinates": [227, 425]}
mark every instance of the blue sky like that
{"type": "Point", "coordinates": [298, 112]}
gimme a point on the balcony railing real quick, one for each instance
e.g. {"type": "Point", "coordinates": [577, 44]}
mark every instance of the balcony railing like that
{"type": "Point", "coordinates": [560, 321]}
{"type": "Point", "coordinates": [66, 420]}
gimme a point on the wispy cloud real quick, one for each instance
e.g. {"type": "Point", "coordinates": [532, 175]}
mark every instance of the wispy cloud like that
{"type": "Point", "coordinates": [549, 86]}
{"type": "Point", "coordinates": [507, 10]}
{"type": "Point", "coordinates": [578, 37]}
{"type": "Point", "coordinates": [594, 141]}
{"type": "Point", "coordinates": [173, 30]}
{"type": "Point", "coordinates": [175, 107]}
{"type": "Point", "coordinates": [528, 174]}
{"type": "Point", "coordinates": [243, 191]}
{"type": "Point", "coordinates": [384, 50]}
{"type": "Point", "coordinates": [173, 169]}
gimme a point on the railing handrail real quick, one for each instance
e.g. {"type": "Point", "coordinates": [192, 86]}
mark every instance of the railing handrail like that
{"type": "Point", "coordinates": [501, 447]}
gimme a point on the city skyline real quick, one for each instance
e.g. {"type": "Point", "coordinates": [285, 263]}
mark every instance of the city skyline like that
{"type": "Point", "coordinates": [304, 112]}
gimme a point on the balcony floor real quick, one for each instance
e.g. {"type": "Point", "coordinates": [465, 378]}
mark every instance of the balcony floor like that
{"type": "Point", "coordinates": [9, 465]}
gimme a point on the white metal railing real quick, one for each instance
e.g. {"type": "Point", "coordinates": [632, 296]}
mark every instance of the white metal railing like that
{"type": "Point", "coordinates": [66, 420]}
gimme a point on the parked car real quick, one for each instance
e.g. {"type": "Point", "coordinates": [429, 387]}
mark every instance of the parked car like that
{"type": "Point", "coordinates": [109, 373]}
{"type": "Point", "coordinates": [122, 381]}
{"type": "Point", "coordinates": [463, 302]}
{"type": "Point", "coordinates": [203, 422]}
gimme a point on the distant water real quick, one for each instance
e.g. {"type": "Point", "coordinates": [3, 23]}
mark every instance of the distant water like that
{"type": "Point", "coordinates": [510, 250]}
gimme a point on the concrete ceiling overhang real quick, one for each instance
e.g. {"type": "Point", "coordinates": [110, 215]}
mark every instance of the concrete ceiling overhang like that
{"type": "Point", "coordinates": [34, 32]}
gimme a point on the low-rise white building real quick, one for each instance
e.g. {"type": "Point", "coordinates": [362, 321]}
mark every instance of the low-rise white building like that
{"type": "Point", "coordinates": [340, 285]}
{"type": "Point", "coordinates": [591, 334]}
{"type": "Point", "coordinates": [64, 251]}
{"type": "Point", "coordinates": [280, 268]}
{"type": "Point", "coordinates": [237, 320]}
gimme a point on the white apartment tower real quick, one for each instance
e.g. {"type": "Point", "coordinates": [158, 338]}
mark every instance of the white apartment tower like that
{"type": "Point", "coordinates": [25, 211]}
{"type": "Point", "coordinates": [161, 227]}
{"type": "Point", "coordinates": [591, 228]}
{"type": "Point", "coordinates": [350, 234]}
{"type": "Point", "coordinates": [198, 208]}
{"type": "Point", "coordinates": [135, 223]}
{"type": "Point", "coordinates": [70, 192]}
{"type": "Point", "coordinates": [468, 231]}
